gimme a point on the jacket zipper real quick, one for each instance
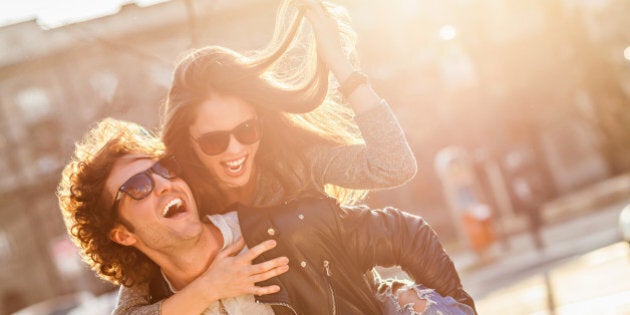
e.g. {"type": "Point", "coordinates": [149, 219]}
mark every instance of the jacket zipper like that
{"type": "Point", "coordinates": [222, 308]}
{"type": "Point", "coordinates": [332, 292]}
{"type": "Point", "coordinates": [285, 305]}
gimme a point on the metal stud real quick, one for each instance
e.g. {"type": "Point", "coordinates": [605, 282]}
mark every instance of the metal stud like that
{"type": "Point", "coordinates": [271, 231]}
{"type": "Point", "coordinates": [303, 264]}
{"type": "Point", "coordinates": [301, 216]}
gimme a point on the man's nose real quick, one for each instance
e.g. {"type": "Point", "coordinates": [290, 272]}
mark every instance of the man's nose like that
{"type": "Point", "coordinates": [161, 184]}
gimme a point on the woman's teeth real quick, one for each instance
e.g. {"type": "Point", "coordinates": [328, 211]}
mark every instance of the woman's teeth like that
{"type": "Point", "coordinates": [236, 165]}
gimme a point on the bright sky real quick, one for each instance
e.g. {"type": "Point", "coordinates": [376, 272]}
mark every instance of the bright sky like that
{"type": "Point", "coordinates": [55, 13]}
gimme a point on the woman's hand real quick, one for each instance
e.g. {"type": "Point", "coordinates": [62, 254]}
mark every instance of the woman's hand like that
{"type": "Point", "coordinates": [327, 34]}
{"type": "Point", "coordinates": [231, 275]}
{"type": "Point", "coordinates": [331, 50]}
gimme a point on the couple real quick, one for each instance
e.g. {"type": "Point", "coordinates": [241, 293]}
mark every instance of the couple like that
{"type": "Point", "coordinates": [249, 164]}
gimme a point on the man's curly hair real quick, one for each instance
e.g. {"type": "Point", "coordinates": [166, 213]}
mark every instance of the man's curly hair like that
{"type": "Point", "coordinates": [87, 208]}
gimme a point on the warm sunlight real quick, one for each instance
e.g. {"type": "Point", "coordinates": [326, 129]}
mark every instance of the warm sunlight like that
{"type": "Point", "coordinates": [56, 13]}
{"type": "Point", "coordinates": [448, 32]}
{"type": "Point", "coordinates": [503, 124]}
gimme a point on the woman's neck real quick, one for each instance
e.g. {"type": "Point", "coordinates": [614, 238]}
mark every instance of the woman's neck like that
{"type": "Point", "coordinates": [244, 194]}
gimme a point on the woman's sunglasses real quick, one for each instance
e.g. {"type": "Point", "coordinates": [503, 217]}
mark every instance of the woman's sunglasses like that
{"type": "Point", "coordinates": [139, 186]}
{"type": "Point", "coordinates": [215, 142]}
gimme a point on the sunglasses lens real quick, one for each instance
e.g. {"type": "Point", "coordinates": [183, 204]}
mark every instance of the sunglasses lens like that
{"type": "Point", "coordinates": [214, 143]}
{"type": "Point", "coordinates": [248, 132]}
{"type": "Point", "coordinates": [138, 186]}
{"type": "Point", "coordinates": [167, 168]}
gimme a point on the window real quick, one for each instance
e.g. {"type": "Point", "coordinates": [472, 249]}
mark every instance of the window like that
{"type": "Point", "coordinates": [5, 246]}
{"type": "Point", "coordinates": [33, 103]}
{"type": "Point", "coordinates": [104, 84]}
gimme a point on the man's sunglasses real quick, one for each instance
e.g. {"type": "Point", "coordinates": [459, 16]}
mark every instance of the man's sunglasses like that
{"type": "Point", "coordinates": [139, 186]}
{"type": "Point", "coordinates": [216, 142]}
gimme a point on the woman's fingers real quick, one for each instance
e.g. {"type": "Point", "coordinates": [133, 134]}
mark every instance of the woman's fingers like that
{"type": "Point", "coordinates": [324, 21]}
{"type": "Point", "coordinates": [314, 10]}
{"type": "Point", "coordinates": [308, 4]}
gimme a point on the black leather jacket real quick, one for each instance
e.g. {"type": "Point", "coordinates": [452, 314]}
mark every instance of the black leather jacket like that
{"type": "Point", "coordinates": [330, 250]}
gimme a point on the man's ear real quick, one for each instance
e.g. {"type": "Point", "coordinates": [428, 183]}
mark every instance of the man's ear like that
{"type": "Point", "coordinates": [121, 235]}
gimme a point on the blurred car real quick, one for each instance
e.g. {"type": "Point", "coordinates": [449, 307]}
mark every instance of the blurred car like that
{"type": "Point", "coordinates": [624, 223]}
{"type": "Point", "coordinates": [56, 306]}
{"type": "Point", "coordinates": [71, 304]}
{"type": "Point", "coordinates": [101, 305]}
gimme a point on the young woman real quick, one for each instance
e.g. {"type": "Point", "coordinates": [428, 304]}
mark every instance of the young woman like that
{"type": "Point", "coordinates": [260, 130]}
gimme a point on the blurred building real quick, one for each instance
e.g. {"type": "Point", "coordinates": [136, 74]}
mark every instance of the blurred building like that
{"type": "Point", "coordinates": [454, 76]}
{"type": "Point", "coordinates": [54, 84]}
{"type": "Point", "coordinates": [536, 92]}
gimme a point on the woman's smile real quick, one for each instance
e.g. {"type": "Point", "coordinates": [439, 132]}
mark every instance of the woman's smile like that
{"type": "Point", "coordinates": [235, 168]}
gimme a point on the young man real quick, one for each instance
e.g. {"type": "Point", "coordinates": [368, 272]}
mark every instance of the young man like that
{"type": "Point", "coordinates": [137, 225]}
{"type": "Point", "coordinates": [133, 219]}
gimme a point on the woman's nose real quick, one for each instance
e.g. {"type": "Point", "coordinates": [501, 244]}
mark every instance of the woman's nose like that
{"type": "Point", "coordinates": [234, 146]}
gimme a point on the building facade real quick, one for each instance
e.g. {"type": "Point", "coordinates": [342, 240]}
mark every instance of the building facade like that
{"type": "Point", "coordinates": [55, 84]}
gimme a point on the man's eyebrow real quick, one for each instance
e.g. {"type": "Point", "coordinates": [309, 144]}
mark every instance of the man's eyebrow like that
{"type": "Point", "coordinates": [137, 158]}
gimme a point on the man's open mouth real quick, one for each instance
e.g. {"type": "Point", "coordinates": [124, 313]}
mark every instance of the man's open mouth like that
{"type": "Point", "coordinates": [174, 207]}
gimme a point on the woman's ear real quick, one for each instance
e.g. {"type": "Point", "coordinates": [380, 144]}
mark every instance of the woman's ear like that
{"type": "Point", "coordinates": [121, 235]}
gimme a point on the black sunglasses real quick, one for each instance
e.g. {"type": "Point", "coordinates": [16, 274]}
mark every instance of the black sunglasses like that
{"type": "Point", "coordinates": [139, 186]}
{"type": "Point", "coordinates": [215, 142]}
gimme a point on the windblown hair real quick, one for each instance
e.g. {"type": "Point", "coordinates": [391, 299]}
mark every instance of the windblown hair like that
{"type": "Point", "coordinates": [87, 208]}
{"type": "Point", "coordinates": [284, 82]}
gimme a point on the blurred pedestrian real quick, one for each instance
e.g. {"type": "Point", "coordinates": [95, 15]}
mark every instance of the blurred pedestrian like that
{"type": "Point", "coordinates": [527, 191]}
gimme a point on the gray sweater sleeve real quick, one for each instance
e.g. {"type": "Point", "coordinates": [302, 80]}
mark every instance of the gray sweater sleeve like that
{"type": "Point", "coordinates": [135, 301]}
{"type": "Point", "coordinates": [384, 161]}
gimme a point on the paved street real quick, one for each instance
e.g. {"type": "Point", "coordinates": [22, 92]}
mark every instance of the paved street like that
{"type": "Point", "coordinates": [594, 283]}
{"type": "Point", "coordinates": [584, 269]}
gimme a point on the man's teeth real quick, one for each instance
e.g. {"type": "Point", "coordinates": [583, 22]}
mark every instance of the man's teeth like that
{"type": "Point", "coordinates": [172, 205]}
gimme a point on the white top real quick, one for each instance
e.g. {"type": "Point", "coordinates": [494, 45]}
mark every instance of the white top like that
{"type": "Point", "coordinates": [241, 305]}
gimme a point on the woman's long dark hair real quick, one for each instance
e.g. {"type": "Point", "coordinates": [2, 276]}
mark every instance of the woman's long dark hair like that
{"type": "Point", "coordinates": [287, 83]}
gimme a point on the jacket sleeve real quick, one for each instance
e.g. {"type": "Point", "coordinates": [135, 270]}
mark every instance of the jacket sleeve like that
{"type": "Point", "coordinates": [384, 161]}
{"type": "Point", "coordinates": [135, 300]}
{"type": "Point", "coordinates": [391, 237]}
